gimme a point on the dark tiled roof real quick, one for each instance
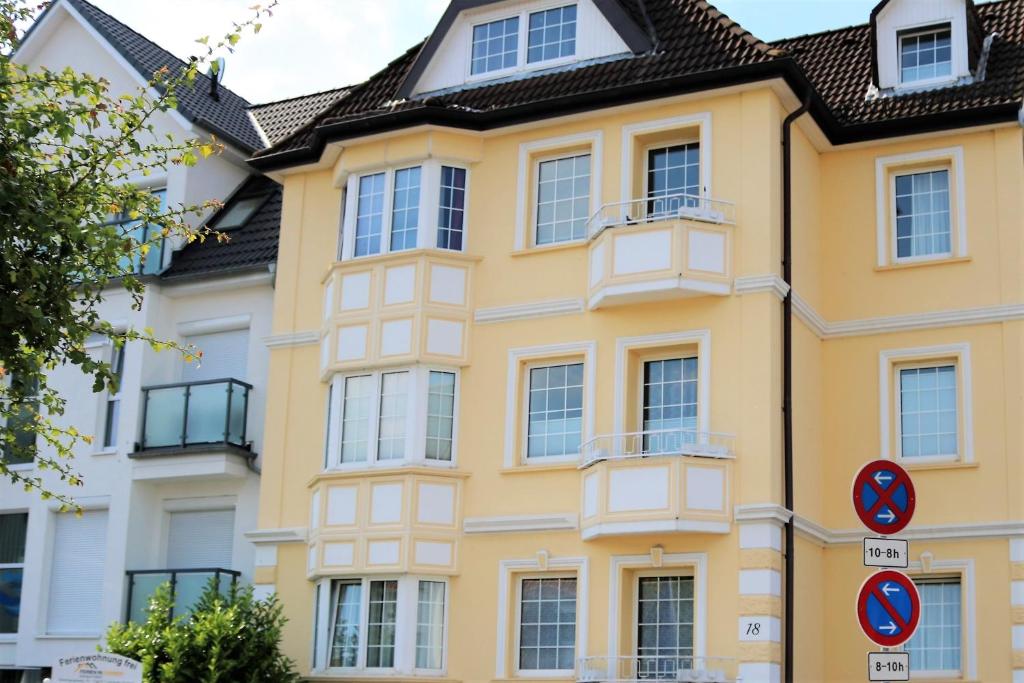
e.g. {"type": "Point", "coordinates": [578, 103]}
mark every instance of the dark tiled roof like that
{"type": "Point", "coordinates": [226, 117]}
{"type": "Point", "coordinates": [249, 247]}
{"type": "Point", "coordinates": [838, 64]}
{"type": "Point", "coordinates": [696, 47]}
{"type": "Point", "coordinates": [692, 37]}
{"type": "Point", "coordinates": [280, 119]}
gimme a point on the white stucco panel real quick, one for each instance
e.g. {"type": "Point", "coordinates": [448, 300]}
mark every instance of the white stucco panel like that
{"type": "Point", "coordinates": [642, 252]}
{"type": "Point", "coordinates": [386, 504]}
{"type": "Point", "coordinates": [640, 488]}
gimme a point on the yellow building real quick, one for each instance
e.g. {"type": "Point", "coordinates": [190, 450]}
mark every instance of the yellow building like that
{"type": "Point", "coordinates": [534, 336]}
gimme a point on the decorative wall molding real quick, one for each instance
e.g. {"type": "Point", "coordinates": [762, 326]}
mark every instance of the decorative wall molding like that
{"type": "Point", "coordinates": [534, 309]}
{"type": "Point", "coordinates": [755, 284]}
{"type": "Point", "coordinates": [805, 312]}
{"type": "Point", "coordinates": [277, 536]}
{"type": "Point", "coordinates": [188, 287]}
{"type": "Point", "coordinates": [281, 341]}
{"type": "Point", "coordinates": [762, 512]}
{"type": "Point", "coordinates": [935, 532]}
{"type": "Point", "coordinates": [516, 523]}
{"type": "Point", "coordinates": [211, 325]}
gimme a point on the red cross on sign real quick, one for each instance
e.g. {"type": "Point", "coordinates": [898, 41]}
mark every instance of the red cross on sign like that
{"type": "Point", "coordinates": [883, 497]}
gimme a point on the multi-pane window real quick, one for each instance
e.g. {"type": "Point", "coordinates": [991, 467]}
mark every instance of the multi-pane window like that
{"type": "Point", "coordinates": [355, 414]}
{"type": "Point", "coordinates": [440, 415]}
{"type": "Point", "coordinates": [364, 616]}
{"type": "Point", "coordinates": [552, 34]}
{"type": "Point", "coordinates": [555, 411]}
{"type": "Point", "coordinates": [563, 199]}
{"type": "Point", "coordinates": [380, 625]}
{"type": "Point", "coordinates": [451, 212]}
{"type": "Point", "coordinates": [925, 55]}
{"type": "Point", "coordinates": [928, 411]}
{"type": "Point", "coordinates": [922, 214]}
{"type": "Point", "coordinates": [113, 408]}
{"type": "Point", "coordinates": [664, 626]}
{"type": "Point", "coordinates": [345, 622]}
{"type": "Point", "coordinates": [547, 624]}
{"type": "Point", "coordinates": [22, 449]}
{"type": "Point", "coordinates": [370, 214]}
{"type": "Point", "coordinates": [673, 178]}
{"type": "Point", "coordinates": [13, 528]}
{"type": "Point", "coordinates": [495, 46]}
{"type": "Point", "coordinates": [405, 211]}
{"type": "Point", "coordinates": [430, 625]}
{"type": "Point", "coordinates": [935, 646]}
{"type": "Point", "coordinates": [401, 415]}
{"type": "Point", "coordinates": [669, 404]}
{"type": "Point", "coordinates": [394, 397]}
{"type": "Point", "coordinates": [152, 262]}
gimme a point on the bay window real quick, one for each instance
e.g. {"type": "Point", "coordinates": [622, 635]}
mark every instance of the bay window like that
{"type": "Point", "coordinates": [392, 416]}
{"type": "Point", "coordinates": [390, 210]}
{"type": "Point", "coordinates": [380, 624]}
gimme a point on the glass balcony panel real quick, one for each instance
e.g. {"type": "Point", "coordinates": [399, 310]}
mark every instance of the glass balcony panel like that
{"type": "Point", "coordinates": [165, 417]}
{"type": "Point", "coordinates": [143, 587]}
{"type": "Point", "coordinates": [188, 588]}
{"type": "Point", "coordinates": [207, 413]}
{"type": "Point", "coordinates": [236, 421]}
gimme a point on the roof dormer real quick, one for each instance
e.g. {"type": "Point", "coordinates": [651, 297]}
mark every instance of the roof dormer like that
{"type": "Point", "coordinates": [919, 44]}
{"type": "Point", "coordinates": [481, 41]}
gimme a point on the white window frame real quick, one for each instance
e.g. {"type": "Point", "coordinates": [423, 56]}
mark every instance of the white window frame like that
{"type": "Point", "coordinates": [522, 41]}
{"type": "Point", "coordinates": [430, 195]}
{"type": "Point", "coordinates": [526, 191]}
{"type": "Point", "coordinates": [701, 121]}
{"type": "Point", "coordinates": [673, 142]}
{"type": "Point", "coordinates": [113, 397]}
{"type": "Point", "coordinates": [689, 570]}
{"type": "Point", "coordinates": [517, 396]}
{"type": "Point", "coordinates": [535, 198]}
{"type": "Point", "coordinates": [517, 625]}
{"type": "Point", "coordinates": [406, 617]}
{"type": "Point", "coordinates": [886, 170]}
{"type": "Point", "coordinates": [893, 241]}
{"type": "Point", "coordinates": [12, 635]}
{"type": "Point", "coordinates": [542, 563]}
{"type": "Point", "coordinates": [415, 415]}
{"type": "Point", "coordinates": [889, 363]}
{"type": "Point", "coordinates": [926, 28]}
{"type": "Point", "coordinates": [928, 567]}
{"type": "Point", "coordinates": [525, 410]}
{"type": "Point", "coordinates": [897, 370]}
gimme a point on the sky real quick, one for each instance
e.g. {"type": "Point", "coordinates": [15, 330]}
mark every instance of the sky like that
{"type": "Point", "coordinates": [313, 45]}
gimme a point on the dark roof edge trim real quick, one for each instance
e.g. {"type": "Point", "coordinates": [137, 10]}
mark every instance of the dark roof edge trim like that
{"type": "Point", "coordinates": [634, 36]}
{"type": "Point", "coordinates": [222, 273]}
{"type": "Point", "coordinates": [784, 68]}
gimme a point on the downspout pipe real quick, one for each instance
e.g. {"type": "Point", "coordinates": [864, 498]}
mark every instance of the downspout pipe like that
{"type": "Point", "coordinates": [787, 379]}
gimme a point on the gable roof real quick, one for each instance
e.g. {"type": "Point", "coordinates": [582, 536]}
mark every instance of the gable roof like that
{"type": "Point", "coordinates": [635, 37]}
{"type": "Point", "coordinates": [277, 120]}
{"type": "Point", "coordinates": [225, 116]}
{"type": "Point", "coordinates": [698, 48]}
{"type": "Point", "coordinates": [251, 246]}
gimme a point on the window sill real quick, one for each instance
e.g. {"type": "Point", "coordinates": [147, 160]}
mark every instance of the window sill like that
{"type": "Point", "coordinates": [527, 468]}
{"type": "Point", "coordinates": [106, 451]}
{"type": "Point", "coordinates": [401, 255]}
{"type": "Point", "coordinates": [550, 248]}
{"type": "Point", "coordinates": [940, 261]}
{"type": "Point", "coordinates": [390, 471]}
{"type": "Point", "coordinates": [69, 636]}
{"type": "Point", "coordinates": [909, 464]}
{"type": "Point", "coordinates": [21, 467]}
{"type": "Point", "coordinates": [362, 675]}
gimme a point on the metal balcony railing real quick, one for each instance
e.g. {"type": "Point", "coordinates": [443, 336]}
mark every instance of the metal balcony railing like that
{"type": "Point", "coordinates": [649, 209]}
{"type": "Point", "coordinates": [187, 585]}
{"type": "Point", "coordinates": [195, 413]}
{"type": "Point", "coordinates": [631, 669]}
{"type": "Point", "coordinates": [656, 442]}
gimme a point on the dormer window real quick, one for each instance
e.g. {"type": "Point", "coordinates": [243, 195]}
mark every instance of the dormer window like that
{"type": "Point", "coordinates": [552, 34]}
{"type": "Point", "coordinates": [495, 46]}
{"type": "Point", "coordinates": [544, 36]}
{"type": "Point", "coordinates": [926, 54]}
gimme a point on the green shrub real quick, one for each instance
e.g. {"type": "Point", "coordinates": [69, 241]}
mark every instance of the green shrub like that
{"type": "Point", "coordinates": [225, 639]}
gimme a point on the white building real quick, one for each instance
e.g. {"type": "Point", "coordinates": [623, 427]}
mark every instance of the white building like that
{"type": "Point", "coordinates": [172, 480]}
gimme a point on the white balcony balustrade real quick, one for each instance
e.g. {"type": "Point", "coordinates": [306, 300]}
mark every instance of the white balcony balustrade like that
{"type": "Point", "coordinates": [633, 669]}
{"type": "Point", "coordinates": [656, 442]}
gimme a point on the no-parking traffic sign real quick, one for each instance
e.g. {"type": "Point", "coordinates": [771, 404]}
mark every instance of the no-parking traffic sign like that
{"type": "Point", "coordinates": [888, 608]}
{"type": "Point", "coordinates": [884, 497]}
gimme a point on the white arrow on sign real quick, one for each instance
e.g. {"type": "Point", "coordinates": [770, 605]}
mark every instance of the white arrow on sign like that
{"type": "Point", "coordinates": [890, 627]}
{"type": "Point", "coordinates": [887, 515]}
{"type": "Point", "coordinates": [882, 476]}
{"type": "Point", "coordinates": [888, 588]}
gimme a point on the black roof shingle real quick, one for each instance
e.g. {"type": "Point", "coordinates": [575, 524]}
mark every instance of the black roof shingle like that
{"type": "Point", "coordinates": [281, 118]}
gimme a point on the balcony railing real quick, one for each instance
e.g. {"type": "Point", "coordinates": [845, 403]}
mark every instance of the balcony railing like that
{"type": "Point", "coordinates": [667, 207]}
{"type": "Point", "coordinates": [187, 585]}
{"type": "Point", "coordinates": [656, 442]}
{"type": "Point", "coordinates": [195, 414]}
{"type": "Point", "coordinates": [630, 669]}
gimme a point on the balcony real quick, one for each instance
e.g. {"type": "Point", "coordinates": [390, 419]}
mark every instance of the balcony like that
{"type": "Point", "coordinates": [659, 481]}
{"type": "Point", "coordinates": [675, 246]}
{"type": "Point", "coordinates": [187, 585]}
{"type": "Point", "coordinates": [631, 669]}
{"type": "Point", "coordinates": [194, 429]}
